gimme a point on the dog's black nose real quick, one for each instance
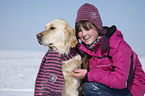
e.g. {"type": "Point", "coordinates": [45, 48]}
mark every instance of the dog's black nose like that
{"type": "Point", "coordinates": [39, 36]}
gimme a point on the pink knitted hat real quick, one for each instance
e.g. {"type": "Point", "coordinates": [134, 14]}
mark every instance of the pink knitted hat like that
{"type": "Point", "coordinates": [90, 13]}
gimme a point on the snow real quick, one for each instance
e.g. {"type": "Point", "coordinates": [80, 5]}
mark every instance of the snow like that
{"type": "Point", "coordinates": [18, 71]}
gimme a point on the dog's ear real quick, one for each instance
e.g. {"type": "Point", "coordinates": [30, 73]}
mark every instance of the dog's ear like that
{"type": "Point", "coordinates": [73, 39]}
{"type": "Point", "coordinates": [70, 36]}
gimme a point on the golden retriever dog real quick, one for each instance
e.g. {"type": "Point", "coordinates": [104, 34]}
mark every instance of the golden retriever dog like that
{"type": "Point", "coordinates": [59, 36]}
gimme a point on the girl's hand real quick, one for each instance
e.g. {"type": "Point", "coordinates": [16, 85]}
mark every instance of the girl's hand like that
{"type": "Point", "coordinates": [79, 73]}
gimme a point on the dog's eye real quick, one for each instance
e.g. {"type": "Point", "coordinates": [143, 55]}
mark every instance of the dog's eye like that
{"type": "Point", "coordinates": [52, 28]}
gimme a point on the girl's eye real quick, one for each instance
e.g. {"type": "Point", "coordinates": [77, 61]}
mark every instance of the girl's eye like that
{"type": "Point", "coordinates": [52, 28]}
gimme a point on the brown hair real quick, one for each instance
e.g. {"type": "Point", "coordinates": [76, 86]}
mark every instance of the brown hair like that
{"type": "Point", "coordinates": [85, 62]}
{"type": "Point", "coordinates": [87, 25]}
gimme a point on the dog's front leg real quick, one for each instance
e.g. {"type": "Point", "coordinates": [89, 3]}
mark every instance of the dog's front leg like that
{"type": "Point", "coordinates": [71, 86]}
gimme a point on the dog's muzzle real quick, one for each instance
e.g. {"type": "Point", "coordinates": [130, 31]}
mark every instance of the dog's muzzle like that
{"type": "Point", "coordinates": [39, 37]}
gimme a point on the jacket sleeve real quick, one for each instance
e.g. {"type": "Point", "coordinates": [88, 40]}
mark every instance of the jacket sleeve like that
{"type": "Point", "coordinates": [121, 62]}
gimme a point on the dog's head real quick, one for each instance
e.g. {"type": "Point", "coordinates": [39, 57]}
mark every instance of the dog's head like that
{"type": "Point", "coordinates": [58, 36]}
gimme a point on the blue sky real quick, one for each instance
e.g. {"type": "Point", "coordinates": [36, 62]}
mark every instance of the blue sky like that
{"type": "Point", "coordinates": [21, 20]}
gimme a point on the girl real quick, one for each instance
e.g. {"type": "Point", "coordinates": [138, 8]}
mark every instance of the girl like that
{"type": "Point", "coordinates": [112, 67]}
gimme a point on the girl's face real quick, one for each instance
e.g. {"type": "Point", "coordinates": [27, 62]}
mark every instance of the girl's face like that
{"type": "Point", "coordinates": [88, 36]}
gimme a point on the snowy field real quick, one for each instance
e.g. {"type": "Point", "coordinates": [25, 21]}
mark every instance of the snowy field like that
{"type": "Point", "coordinates": [18, 70]}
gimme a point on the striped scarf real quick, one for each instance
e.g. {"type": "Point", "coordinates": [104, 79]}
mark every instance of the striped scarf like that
{"type": "Point", "coordinates": [50, 80]}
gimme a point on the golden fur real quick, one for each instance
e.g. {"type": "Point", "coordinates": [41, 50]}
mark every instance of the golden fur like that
{"type": "Point", "coordinates": [59, 36]}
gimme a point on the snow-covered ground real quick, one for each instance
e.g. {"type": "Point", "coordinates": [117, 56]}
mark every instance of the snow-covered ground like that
{"type": "Point", "coordinates": [18, 70]}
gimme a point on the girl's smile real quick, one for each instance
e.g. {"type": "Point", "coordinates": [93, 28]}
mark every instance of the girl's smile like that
{"type": "Point", "coordinates": [86, 37]}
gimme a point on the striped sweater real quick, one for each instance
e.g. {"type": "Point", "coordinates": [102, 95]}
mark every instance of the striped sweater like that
{"type": "Point", "coordinates": [50, 80]}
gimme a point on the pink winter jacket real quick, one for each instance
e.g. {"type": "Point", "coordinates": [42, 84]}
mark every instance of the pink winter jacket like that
{"type": "Point", "coordinates": [114, 72]}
